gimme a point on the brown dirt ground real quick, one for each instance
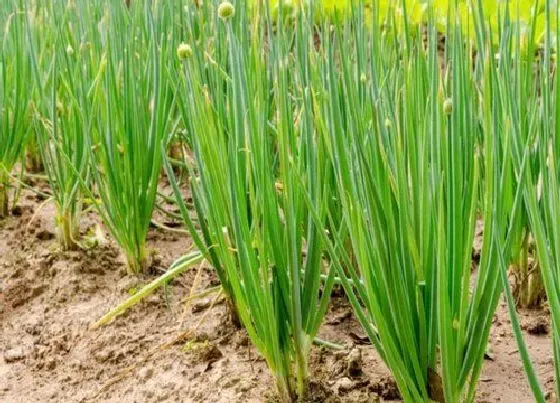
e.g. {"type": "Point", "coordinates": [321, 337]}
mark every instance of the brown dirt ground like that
{"type": "Point", "coordinates": [164, 350]}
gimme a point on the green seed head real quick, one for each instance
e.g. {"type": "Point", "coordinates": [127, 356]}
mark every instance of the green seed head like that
{"type": "Point", "coordinates": [184, 51]}
{"type": "Point", "coordinates": [448, 106]}
{"type": "Point", "coordinates": [226, 10]}
{"type": "Point", "coordinates": [70, 50]}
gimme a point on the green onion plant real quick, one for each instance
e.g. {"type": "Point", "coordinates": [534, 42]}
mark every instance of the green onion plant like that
{"type": "Point", "coordinates": [15, 93]}
{"type": "Point", "coordinates": [535, 133]}
{"type": "Point", "coordinates": [63, 122]}
{"type": "Point", "coordinates": [248, 103]}
{"type": "Point", "coordinates": [404, 135]}
{"type": "Point", "coordinates": [132, 124]}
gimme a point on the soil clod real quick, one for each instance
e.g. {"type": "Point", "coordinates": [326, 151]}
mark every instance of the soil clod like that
{"type": "Point", "coordinates": [13, 355]}
{"type": "Point", "coordinates": [537, 325]}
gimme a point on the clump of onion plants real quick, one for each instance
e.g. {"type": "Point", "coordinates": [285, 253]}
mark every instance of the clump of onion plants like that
{"type": "Point", "coordinates": [133, 120]}
{"type": "Point", "coordinates": [248, 104]}
{"type": "Point", "coordinates": [63, 121]}
{"type": "Point", "coordinates": [15, 92]}
{"type": "Point", "coordinates": [408, 159]}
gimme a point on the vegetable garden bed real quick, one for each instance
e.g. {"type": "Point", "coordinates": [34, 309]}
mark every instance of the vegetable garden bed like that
{"type": "Point", "coordinates": [315, 201]}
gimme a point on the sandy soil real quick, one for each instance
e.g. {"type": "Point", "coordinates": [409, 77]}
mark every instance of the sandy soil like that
{"type": "Point", "coordinates": [166, 350]}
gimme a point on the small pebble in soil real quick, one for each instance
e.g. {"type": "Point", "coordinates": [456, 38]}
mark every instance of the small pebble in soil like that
{"type": "Point", "coordinates": [146, 373]}
{"type": "Point", "coordinates": [200, 306]}
{"type": "Point", "coordinates": [354, 368]}
{"type": "Point", "coordinates": [13, 355]}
